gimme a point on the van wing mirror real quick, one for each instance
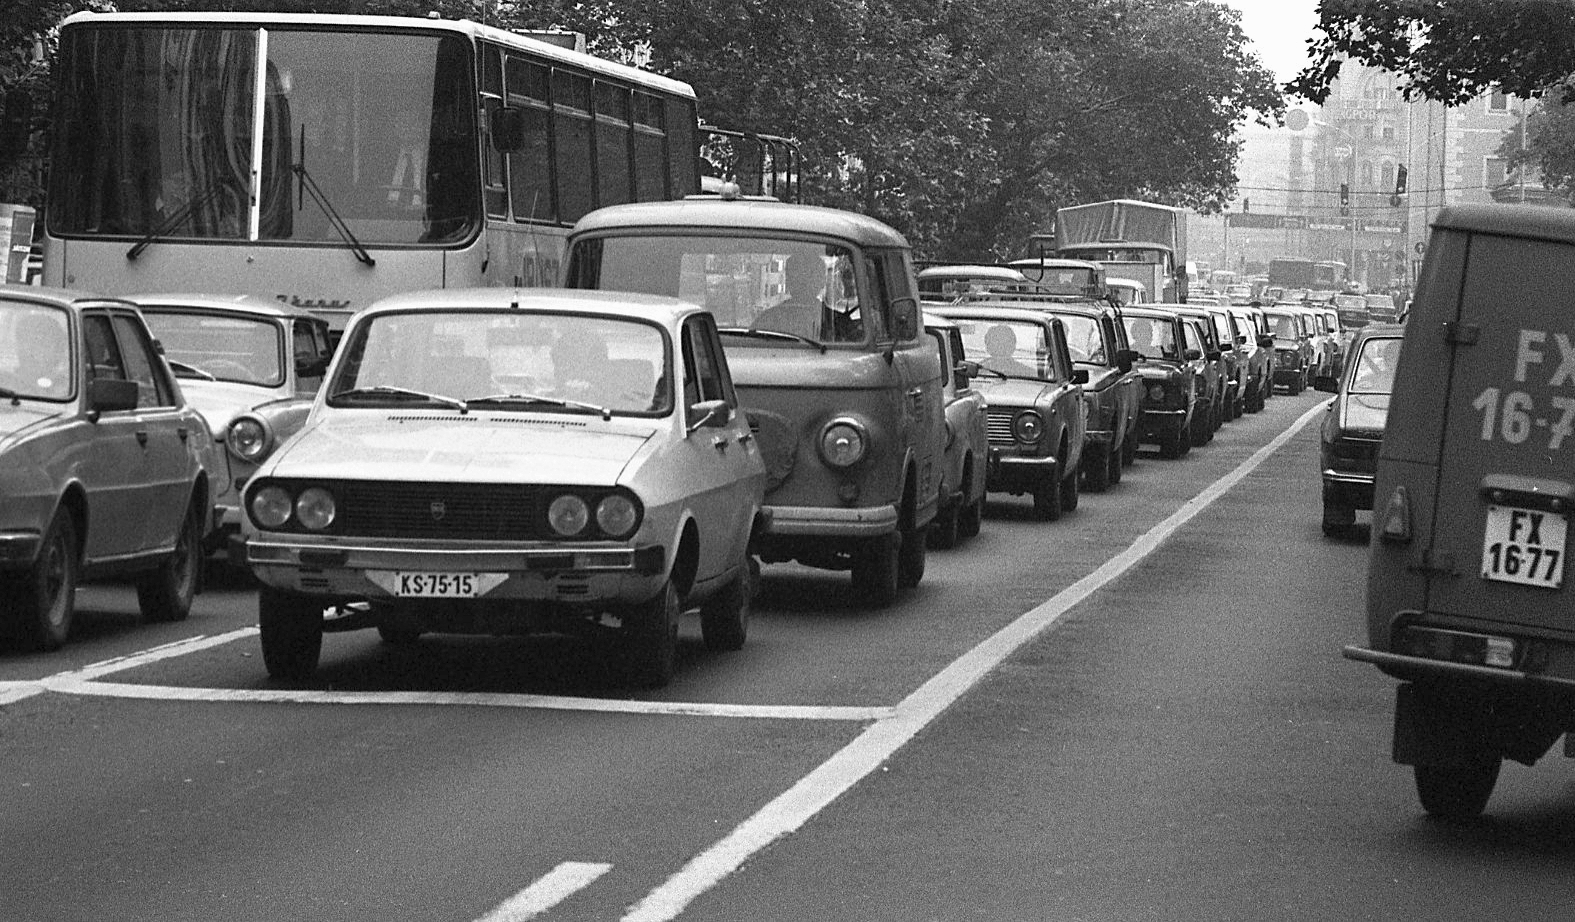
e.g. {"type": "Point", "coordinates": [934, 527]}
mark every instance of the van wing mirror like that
{"type": "Point", "coordinates": [964, 371]}
{"type": "Point", "coordinates": [507, 127]}
{"type": "Point", "coordinates": [1080, 376]}
{"type": "Point", "coordinates": [905, 317]}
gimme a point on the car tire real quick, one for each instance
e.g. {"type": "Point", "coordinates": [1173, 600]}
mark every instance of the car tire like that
{"type": "Point", "coordinates": [875, 570]}
{"type": "Point", "coordinates": [1115, 463]}
{"type": "Point", "coordinates": [41, 603]}
{"type": "Point", "coordinates": [1047, 498]}
{"type": "Point", "coordinates": [1096, 467]}
{"type": "Point", "coordinates": [1129, 448]}
{"type": "Point", "coordinates": [1069, 493]}
{"type": "Point", "coordinates": [946, 527]}
{"type": "Point", "coordinates": [1172, 445]}
{"type": "Point", "coordinates": [971, 518]}
{"type": "Point", "coordinates": [1298, 384]}
{"type": "Point", "coordinates": [291, 629]}
{"type": "Point", "coordinates": [166, 594]}
{"type": "Point", "coordinates": [910, 558]}
{"type": "Point", "coordinates": [1200, 432]}
{"type": "Point", "coordinates": [724, 618]}
{"type": "Point", "coordinates": [649, 644]}
{"type": "Point", "coordinates": [1457, 790]}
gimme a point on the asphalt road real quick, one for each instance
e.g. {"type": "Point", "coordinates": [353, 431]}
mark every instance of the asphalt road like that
{"type": "Point", "coordinates": [1139, 712]}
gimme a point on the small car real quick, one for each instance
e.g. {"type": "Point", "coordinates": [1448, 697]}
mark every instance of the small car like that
{"type": "Point", "coordinates": [1469, 601]}
{"type": "Point", "coordinates": [1227, 335]}
{"type": "Point", "coordinates": [1321, 338]}
{"type": "Point", "coordinates": [1078, 277]}
{"type": "Point", "coordinates": [1098, 344]}
{"type": "Point", "coordinates": [1257, 350]}
{"type": "Point", "coordinates": [1381, 308]}
{"type": "Point", "coordinates": [1033, 398]}
{"type": "Point", "coordinates": [819, 315]}
{"type": "Point", "coordinates": [944, 284]}
{"type": "Point", "coordinates": [1199, 337]}
{"type": "Point", "coordinates": [1171, 375]}
{"type": "Point", "coordinates": [1293, 351]}
{"type": "Point", "coordinates": [967, 453]}
{"type": "Point", "coordinates": [251, 368]}
{"type": "Point", "coordinates": [105, 468]}
{"type": "Point", "coordinates": [1354, 313]}
{"type": "Point", "coordinates": [1353, 427]}
{"type": "Point", "coordinates": [511, 461]}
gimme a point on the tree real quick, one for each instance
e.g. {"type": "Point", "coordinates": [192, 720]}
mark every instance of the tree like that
{"type": "Point", "coordinates": [1549, 145]}
{"type": "Point", "coordinates": [1446, 50]}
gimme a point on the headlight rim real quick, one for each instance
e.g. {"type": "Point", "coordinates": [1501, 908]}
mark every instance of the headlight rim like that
{"type": "Point", "coordinates": [1034, 417]}
{"type": "Point", "coordinates": [637, 514]}
{"type": "Point", "coordinates": [862, 431]}
{"type": "Point", "coordinates": [266, 442]}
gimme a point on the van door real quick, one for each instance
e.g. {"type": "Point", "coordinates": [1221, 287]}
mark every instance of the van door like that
{"type": "Point", "coordinates": [919, 370]}
{"type": "Point", "coordinates": [1506, 475]}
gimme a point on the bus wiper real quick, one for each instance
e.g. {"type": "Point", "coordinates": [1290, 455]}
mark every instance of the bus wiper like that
{"type": "Point", "coordinates": [384, 390]}
{"type": "Point", "coordinates": [605, 412]}
{"type": "Point", "coordinates": [176, 219]}
{"type": "Point", "coordinates": [310, 185]}
{"type": "Point", "coordinates": [773, 334]}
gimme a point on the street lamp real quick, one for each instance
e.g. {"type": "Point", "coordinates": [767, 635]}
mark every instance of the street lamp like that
{"type": "Point", "coordinates": [1348, 154]}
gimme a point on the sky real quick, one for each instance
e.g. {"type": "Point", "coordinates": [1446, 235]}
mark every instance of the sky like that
{"type": "Point", "coordinates": [1279, 30]}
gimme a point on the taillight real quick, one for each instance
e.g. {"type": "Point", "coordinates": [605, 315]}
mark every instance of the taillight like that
{"type": "Point", "coordinates": [1394, 526]}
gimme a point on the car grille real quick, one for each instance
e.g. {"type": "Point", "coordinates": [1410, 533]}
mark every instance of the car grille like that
{"type": "Point", "coordinates": [458, 511]}
{"type": "Point", "coordinates": [998, 426]}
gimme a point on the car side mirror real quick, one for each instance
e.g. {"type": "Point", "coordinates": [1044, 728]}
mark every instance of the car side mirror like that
{"type": "Point", "coordinates": [1194, 354]}
{"type": "Point", "coordinates": [1327, 384]}
{"type": "Point", "coordinates": [1126, 358]}
{"type": "Point", "coordinates": [507, 127]}
{"type": "Point", "coordinates": [965, 371]}
{"type": "Point", "coordinates": [1213, 355]}
{"type": "Point", "coordinates": [110, 395]}
{"type": "Point", "coordinates": [1080, 376]}
{"type": "Point", "coordinates": [1241, 339]}
{"type": "Point", "coordinates": [1266, 342]}
{"type": "Point", "coordinates": [710, 414]}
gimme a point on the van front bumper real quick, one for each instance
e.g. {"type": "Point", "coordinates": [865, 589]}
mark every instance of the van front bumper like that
{"type": "Point", "coordinates": [830, 521]}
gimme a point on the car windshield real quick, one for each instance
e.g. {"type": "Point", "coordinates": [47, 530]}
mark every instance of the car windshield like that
{"type": "Point", "coordinates": [35, 351]}
{"type": "Point", "coordinates": [506, 360]}
{"type": "Point", "coordinates": [802, 289]}
{"type": "Point", "coordinates": [1084, 339]}
{"type": "Point", "coordinates": [1375, 366]}
{"type": "Point", "coordinates": [1152, 338]}
{"type": "Point", "coordinates": [1006, 348]}
{"type": "Point", "coordinates": [1284, 326]}
{"type": "Point", "coordinates": [218, 345]}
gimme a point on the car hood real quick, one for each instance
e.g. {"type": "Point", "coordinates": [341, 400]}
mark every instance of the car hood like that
{"type": "Point", "coordinates": [467, 449]}
{"type": "Point", "coordinates": [1366, 413]}
{"type": "Point", "coordinates": [1013, 391]}
{"type": "Point", "coordinates": [221, 401]}
{"type": "Point", "coordinates": [16, 422]}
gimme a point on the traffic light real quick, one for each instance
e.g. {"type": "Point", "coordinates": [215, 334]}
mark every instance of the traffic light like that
{"type": "Point", "coordinates": [1400, 179]}
{"type": "Point", "coordinates": [1345, 193]}
{"type": "Point", "coordinates": [1246, 205]}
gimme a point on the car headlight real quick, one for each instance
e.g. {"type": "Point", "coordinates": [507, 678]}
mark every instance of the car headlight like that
{"type": "Point", "coordinates": [844, 443]}
{"type": "Point", "coordinates": [314, 508]}
{"type": "Point", "coordinates": [617, 515]}
{"type": "Point", "coordinates": [248, 438]}
{"type": "Point", "coordinates": [1156, 393]}
{"type": "Point", "coordinates": [568, 515]}
{"type": "Point", "coordinates": [271, 506]}
{"type": "Point", "coordinates": [1028, 427]}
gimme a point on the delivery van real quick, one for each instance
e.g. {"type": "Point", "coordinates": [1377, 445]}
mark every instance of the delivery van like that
{"type": "Point", "coordinates": [1467, 599]}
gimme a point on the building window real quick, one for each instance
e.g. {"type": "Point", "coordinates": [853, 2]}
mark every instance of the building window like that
{"type": "Point", "coordinates": [1495, 172]}
{"type": "Point", "coordinates": [1497, 101]}
{"type": "Point", "coordinates": [1386, 175]}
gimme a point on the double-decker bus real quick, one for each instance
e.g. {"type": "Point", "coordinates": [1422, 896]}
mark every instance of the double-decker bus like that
{"type": "Point", "coordinates": [328, 160]}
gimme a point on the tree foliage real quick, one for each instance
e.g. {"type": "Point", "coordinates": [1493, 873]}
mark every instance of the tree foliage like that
{"type": "Point", "coordinates": [963, 124]}
{"type": "Point", "coordinates": [1446, 50]}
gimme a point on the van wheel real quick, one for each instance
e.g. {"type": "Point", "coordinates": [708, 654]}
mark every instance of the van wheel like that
{"type": "Point", "coordinates": [875, 570]}
{"type": "Point", "coordinates": [724, 618]}
{"type": "Point", "coordinates": [650, 639]}
{"type": "Point", "coordinates": [910, 558]}
{"type": "Point", "coordinates": [1458, 790]}
{"type": "Point", "coordinates": [291, 629]}
{"type": "Point", "coordinates": [166, 594]}
{"type": "Point", "coordinates": [40, 605]}
{"type": "Point", "coordinates": [1096, 467]}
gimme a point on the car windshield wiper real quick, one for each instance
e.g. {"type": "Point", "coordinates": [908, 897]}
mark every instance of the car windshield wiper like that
{"type": "Point", "coordinates": [7, 394]}
{"type": "Point", "coordinates": [384, 390]}
{"type": "Point", "coordinates": [176, 218]}
{"type": "Point", "coordinates": [310, 185]}
{"type": "Point", "coordinates": [772, 334]}
{"type": "Point", "coordinates": [539, 398]}
{"type": "Point", "coordinates": [183, 370]}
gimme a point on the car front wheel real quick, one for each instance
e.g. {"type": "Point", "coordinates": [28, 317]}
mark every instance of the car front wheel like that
{"type": "Point", "coordinates": [650, 639]}
{"type": "Point", "coordinates": [291, 629]}
{"type": "Point", "coordinates": [41, 604]}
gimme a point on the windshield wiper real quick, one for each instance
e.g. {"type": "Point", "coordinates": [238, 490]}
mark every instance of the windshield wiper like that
{"type": "Point", "coordinates": [384, 390]}
{"type": "Point", "coordinates": [539, 398]}
{"type": "Point", "coordinates": [175, 220]}
{"type": "Point", "coordinates": [773, 334]}
{"type": "Point", "coordinates": [182, 369]}
{"type": "Point", "coordinates": [7, 394]}
{"type": "Point", "coordinates": [310, 185]}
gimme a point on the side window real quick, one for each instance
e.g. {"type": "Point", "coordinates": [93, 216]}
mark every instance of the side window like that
{"type": "Point", "coordinates": [880, 310]}
{"type": "Point", "coordinates": [700, 343]}
{"type": "Point", "coordinates": [957, 346]}
{"type": "Point", "coordinates": [306, 348]}
{"type": "Point", "coordinates": [142, 364]}
{"type": "Point", "coordinates": [899, 278]}
{"type": "Point", "coordinates": [1190, 332]}
{"type": "Point", "coordinates": [940, 347]}
{"type": "Point", "coordinates": [103, 355]}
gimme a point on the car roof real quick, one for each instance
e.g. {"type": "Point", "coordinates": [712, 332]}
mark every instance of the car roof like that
{"type": "Point", "coordinates": [1149, 312]}
{"type": "Point", "coordinates": [613, 303]}
{"type": "Point", "coordinates": [1002, 273]}
{"type": "Point", "coordinates": [1056, 263]}
{"type": "Point", "coordinates": [727, 216]}
{"type": "Point", "coordinates": [58, 297]}
{"type": "Point", "coordinates": [249, 304]}
{"type": "Point", "coordinates": [932, 319]}
{"type": "Point", "coordinates": [992, 312]}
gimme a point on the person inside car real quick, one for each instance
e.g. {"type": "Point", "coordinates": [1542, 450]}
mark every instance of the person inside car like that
{"type": "Point", "coordinates": [1001, 342]}
{"type": "Point", "coordinates": [580, 365]}
{"type": "Point", "coordinates": [804, 312]}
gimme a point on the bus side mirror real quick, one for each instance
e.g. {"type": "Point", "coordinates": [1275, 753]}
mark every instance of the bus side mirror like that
{"type": "Point", "coordinates": [507, 127]}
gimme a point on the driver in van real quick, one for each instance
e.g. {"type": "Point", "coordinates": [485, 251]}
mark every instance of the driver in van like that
{"type": "Point", "coordinates": [804, 311]}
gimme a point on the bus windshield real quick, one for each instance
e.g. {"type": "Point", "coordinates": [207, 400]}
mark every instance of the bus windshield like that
{"type": "Point", "coordinates": [155, 135]}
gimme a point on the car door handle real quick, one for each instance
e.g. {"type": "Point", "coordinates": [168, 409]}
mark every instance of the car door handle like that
{"type": "Point", "coordinates": [183, 432]}
{"type": "Point", "coordinates": [719, 443]}
{"type": "Point", "coordinates": [142, 437]}
{"type": "Point", "coordinates": [746, 438]}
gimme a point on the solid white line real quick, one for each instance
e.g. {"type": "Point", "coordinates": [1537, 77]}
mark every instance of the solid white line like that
{"type": "Point", "coordinates": [797, 805]}
{"type": "Point", "coordinates": [561, 883]}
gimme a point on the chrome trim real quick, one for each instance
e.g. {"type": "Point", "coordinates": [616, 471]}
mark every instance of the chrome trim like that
{"type": "Point", "coordinates": [830, 520]}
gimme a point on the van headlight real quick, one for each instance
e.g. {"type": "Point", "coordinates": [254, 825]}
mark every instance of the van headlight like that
{"type": "Point", "coordinates": [248, 438]}
{"type": "Point", "coordinates": [844, 442]}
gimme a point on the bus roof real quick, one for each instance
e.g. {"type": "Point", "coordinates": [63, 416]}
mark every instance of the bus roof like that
{"type": "Point", "coordinates": [700, 213]}
{"type": "Point", "coordinates": [465, 27]}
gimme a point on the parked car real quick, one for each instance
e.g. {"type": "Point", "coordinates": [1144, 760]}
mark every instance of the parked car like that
{"type": "Point", "coordinates": [1292, 348]}
{"type": "Point", "coordinates": [1172, 376]}
{"type": "Point", "coordinates": [1199, 336]}
{"type": "Point", "coordinates": [1098, 344]}
{"type": "Point", "coordinates": [967, 454]}
{"type": "Point", "coordinates": [105, 468]}
{"type": "Point", "coordinates": [1381, 308]}
{"type": "Point", "coordinates": [251, 368]}
{"type": "Point", "coordinates": [1034, 402]}
{"type": "Point", "coordinates": [820, 320]}
{"type": "Point", "coordinates": [1353, 312]}
{"type": "Point", "coordinates": [1257, 350]}
{"type": "Point", "coordinates": [1324, 344]}
{"type": "Point", "coordinates": [1353, 427]}
{"type": "Point", "coordinates": [1227, 336]}
{"type": "Point", "coordinates": [513, 461]}
{"type": "Point", "coordinates": [1468, 600]}
{"type": "Point", "coordinates": [944, 284]}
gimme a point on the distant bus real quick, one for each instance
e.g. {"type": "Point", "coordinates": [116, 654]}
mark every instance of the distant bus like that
{"type": "Point", "coordinates": [328, 160]}
{"type": "Point", "coordinates": [1316, 275]}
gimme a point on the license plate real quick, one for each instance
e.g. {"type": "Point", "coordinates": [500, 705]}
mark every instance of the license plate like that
{"type": "Point", "coordinates": [419, 585]}
{"type": "Point", "coordinates": [1524, 546]}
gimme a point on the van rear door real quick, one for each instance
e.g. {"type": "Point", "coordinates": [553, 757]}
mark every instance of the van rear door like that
{"type": "Point", "coordinates": [1506, 467]}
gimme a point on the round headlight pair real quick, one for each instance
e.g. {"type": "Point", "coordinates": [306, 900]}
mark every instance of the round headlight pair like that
{"type": "Point", "coordinates": [844, 442]}
{"type": "Point", "coordinates": [249, 438]}
{"type": "Point", "coordinates": [1028, 427]}
{"type": "Point", "coordinates": [617, 516]}
{"type": "Point", "coordinates": [313, 508]}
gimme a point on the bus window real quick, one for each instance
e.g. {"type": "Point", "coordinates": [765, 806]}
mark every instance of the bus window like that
{"type": "Point", "coordinates": [571, 130]}
{"type": "Point", "coordinates": [613, 175]}
{"type": "Point", "coordinates": [530, 167]}
{"type": "Point", "coordinates": [650, 155]}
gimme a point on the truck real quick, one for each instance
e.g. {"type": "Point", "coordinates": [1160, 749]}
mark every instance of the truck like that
{"type": "Point", "coordinates": [1141, 241]}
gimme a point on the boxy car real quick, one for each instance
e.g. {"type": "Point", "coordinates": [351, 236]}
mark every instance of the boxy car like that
{"type": "Point", "coordinates": [967, 454]}
{"type": "Point", "coordinates": [819, 315]}
{"type": "Point", "coordinates": [251, 368]}
{"type": "Point", "coordinates": [1293, 351]}
{"type": "Point", "coordinates": [1353, 426]}
{"type": "Point", "coordinates": [1033, 399]}
{"type": "Point", "coordinates": [1257, 349]}
{"type": "Point", "coordinates": [1098, 343]}
{"type": "Point", "coordinates": [1172, 378]}
{"type": "Point", "coordinates": [1469, 601]}
{"type": "Point", "coordinates": [507, 461]}
{"type": "Point", "coordinates": [944, 284]}
{"type": "Point", "coordinates": [105, 468]}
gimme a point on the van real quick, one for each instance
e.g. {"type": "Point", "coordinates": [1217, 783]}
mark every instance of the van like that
{"type": "Point", "coordinates": [1467, 603]}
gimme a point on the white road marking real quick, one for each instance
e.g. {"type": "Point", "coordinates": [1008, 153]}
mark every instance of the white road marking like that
{"type": "Point", "coordinates": [558, 885]}
{"type": "Point", "coordinates": [797, 805]}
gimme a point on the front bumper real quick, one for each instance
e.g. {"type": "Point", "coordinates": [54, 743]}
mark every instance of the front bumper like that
{"type": "Point", "coordinates": [830, 521]}
{"type": "Point", "coordinates": [1017, 473]}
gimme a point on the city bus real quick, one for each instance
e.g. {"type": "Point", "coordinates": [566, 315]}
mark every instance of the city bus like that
{"type": "Point", "coordinates": [1314, 275]}
{"type": "Point", "coordinates": [328, 160]}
